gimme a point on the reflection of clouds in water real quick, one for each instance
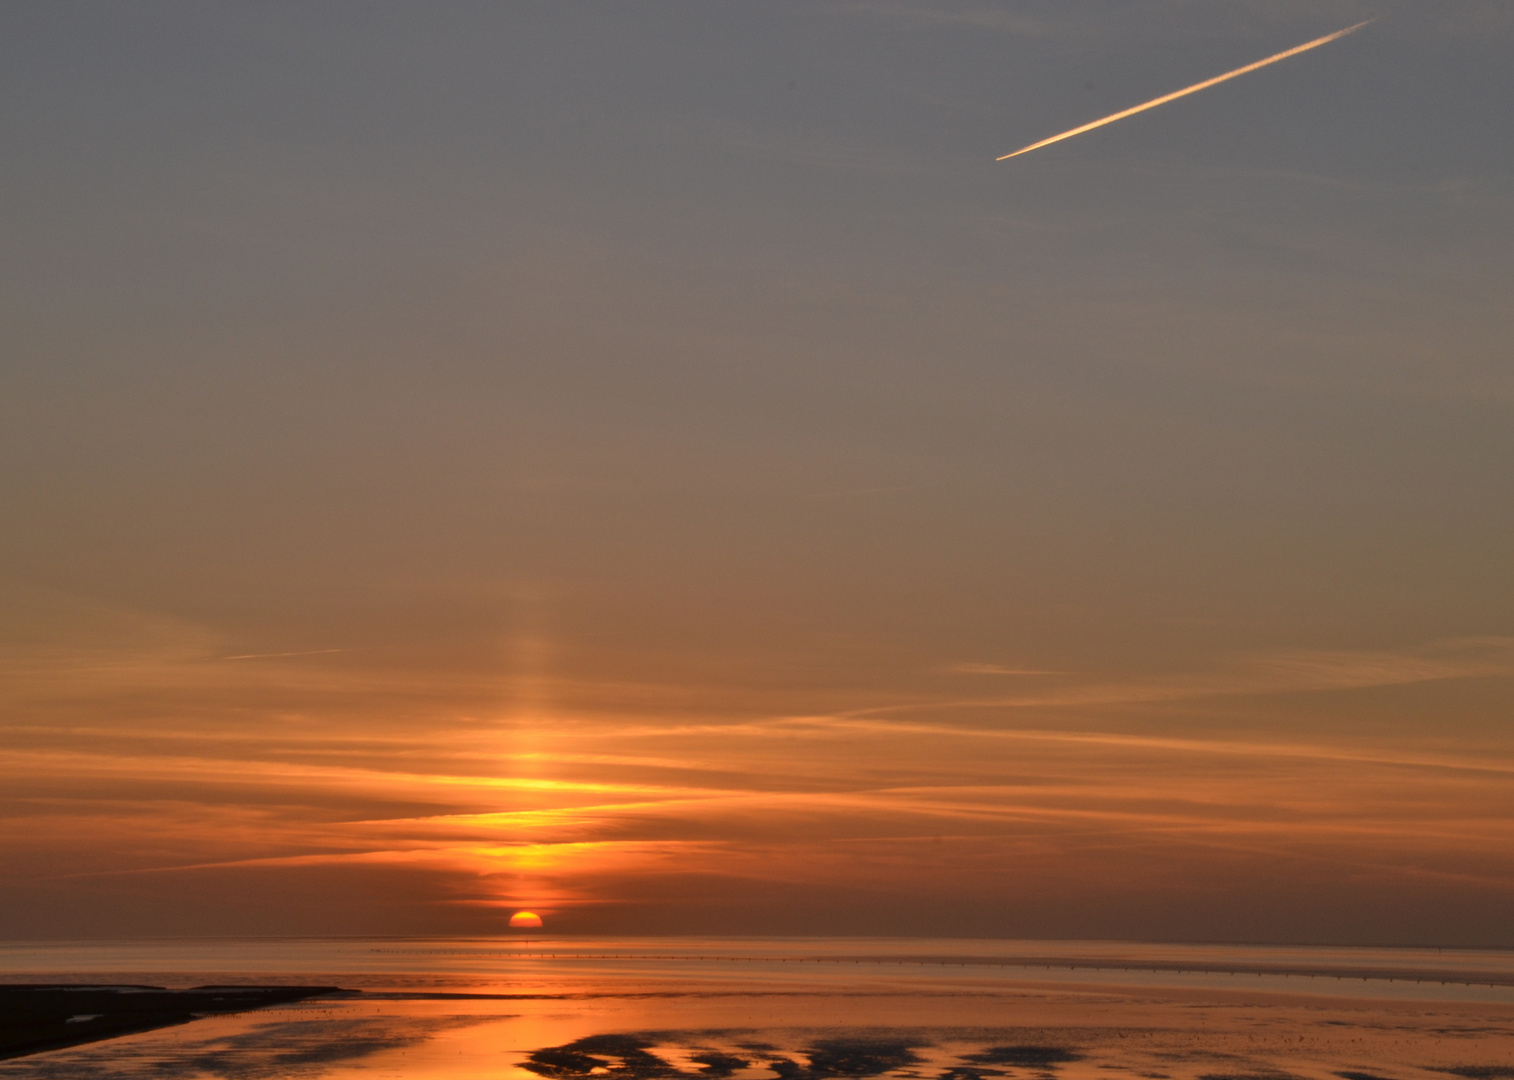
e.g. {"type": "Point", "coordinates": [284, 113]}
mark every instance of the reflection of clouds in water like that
{"type": "Point", "coordinates": [284, 1050]}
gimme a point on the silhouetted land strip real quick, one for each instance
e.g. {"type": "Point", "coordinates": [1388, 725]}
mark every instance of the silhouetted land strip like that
{"type": "Point", "coordinates": [41, 1017]}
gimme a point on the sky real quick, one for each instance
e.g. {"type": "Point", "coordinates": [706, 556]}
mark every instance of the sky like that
{"type": "Point", "coordinates": [649, 464]}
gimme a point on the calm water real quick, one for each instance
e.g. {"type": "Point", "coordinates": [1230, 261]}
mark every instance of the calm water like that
{"type": "Point", "coordinates": [800, 1009]}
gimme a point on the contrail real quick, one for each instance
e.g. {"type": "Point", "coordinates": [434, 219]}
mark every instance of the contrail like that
{"type": "Point", "coordinates": [1195, 88]}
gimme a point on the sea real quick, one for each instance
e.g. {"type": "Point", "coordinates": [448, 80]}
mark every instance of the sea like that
{"type": "Point", "coordinates": [532, 1006]}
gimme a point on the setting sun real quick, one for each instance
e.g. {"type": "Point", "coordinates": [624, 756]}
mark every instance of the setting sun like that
{"type": "Point", "coordinates": [525, 919]}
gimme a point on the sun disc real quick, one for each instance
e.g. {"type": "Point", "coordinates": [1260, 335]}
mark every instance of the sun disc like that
{"type": "Point", "coordinates": [525, 919]}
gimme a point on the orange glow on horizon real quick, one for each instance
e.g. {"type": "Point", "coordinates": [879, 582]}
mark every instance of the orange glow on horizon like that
{"type": "Point", "coordinates": [998, 799]}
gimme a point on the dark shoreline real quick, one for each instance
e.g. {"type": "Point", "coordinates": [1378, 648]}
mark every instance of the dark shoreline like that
{"type": "Point", "coordinates": [38, 1017]}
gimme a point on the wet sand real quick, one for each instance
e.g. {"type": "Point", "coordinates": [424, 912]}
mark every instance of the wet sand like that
{"type": "Point", "coordinates": [1024, 1031]}
{"type": "Point", "coordinates": [450, 1011]}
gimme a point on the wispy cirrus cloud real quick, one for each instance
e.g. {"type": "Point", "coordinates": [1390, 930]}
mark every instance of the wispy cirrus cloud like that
{"type": "Point", "coordinates": [572, 811]}
{"type": "Point", "coordinates": [971, 668]}
{"type": "Point", "coordinates": [1295, 671]}
{"type": "Point", "coordinates": [960, 14]}
{"type": "Point", "coordinates": [815, 151]}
